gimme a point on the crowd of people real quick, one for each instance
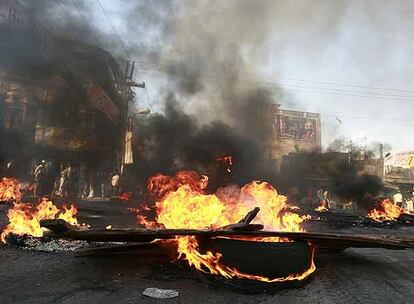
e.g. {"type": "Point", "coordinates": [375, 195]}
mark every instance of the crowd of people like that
{"type": "Point", "coordinates": [404, 201]}
{"type": "Point", "coordinates": [74, 181]}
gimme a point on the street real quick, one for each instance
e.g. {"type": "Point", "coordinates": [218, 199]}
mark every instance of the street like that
{"type": "Point", "coordinates": [352, 276]}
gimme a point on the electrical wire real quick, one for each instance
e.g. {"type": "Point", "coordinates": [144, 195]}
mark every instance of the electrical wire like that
{"type": "Point", "coordinates": [113, 29]}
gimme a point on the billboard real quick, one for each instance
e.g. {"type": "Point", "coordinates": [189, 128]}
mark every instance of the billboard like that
{"type": "Point", "coordinates": [298, 128]}
{"type": "Point", "coordinates": [402, 160]}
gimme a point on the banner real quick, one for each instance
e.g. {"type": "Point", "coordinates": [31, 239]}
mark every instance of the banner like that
{"type": "Point", "coordinates": [128, 157]}
{"type": "Point", "coordinates": [103, 103]}
{"type": "Point", "coordinates": [402, 160]}
{"type": "Point", "coordinates": [299, 128]}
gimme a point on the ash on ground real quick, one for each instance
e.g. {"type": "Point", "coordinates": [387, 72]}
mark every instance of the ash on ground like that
{"type": "Point", "coordinates": [54, 245]}
{"type": "Point", "coordinates": [32, 243]}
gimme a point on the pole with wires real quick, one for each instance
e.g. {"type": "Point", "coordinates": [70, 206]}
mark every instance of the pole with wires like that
{"type": "Point", "coordinates": [126, 134]}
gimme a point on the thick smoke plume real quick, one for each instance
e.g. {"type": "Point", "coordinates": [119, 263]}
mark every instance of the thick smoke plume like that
{"type": "Point", "coordinates": [177, 141]}
{"type": "Point", "coordinates": [214, 103]}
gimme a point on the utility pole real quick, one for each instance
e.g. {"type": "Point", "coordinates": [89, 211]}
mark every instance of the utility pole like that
{"type": "Point", "coordinates": [128, 95]}
{"type": "Point", "coordinates": [381, 161]}
{"type": "Point", "coordinates": [350, 152]}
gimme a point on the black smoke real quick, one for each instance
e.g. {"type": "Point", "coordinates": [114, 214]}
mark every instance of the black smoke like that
{"type": "Point", "coordinates": [349, 184]}
{"type": "Point", "coordinates": [216, 103]}
{"type": "Point", "coordinates": [176, 141]}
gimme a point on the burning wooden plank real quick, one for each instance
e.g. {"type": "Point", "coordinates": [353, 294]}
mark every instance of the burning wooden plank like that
{"type": "Point", "coordinates": [148, 235]}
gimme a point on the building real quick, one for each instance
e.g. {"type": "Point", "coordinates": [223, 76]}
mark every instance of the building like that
{"type": "Point", "coordinates": [293, 131]}
{"type": "Point", "coordinates": [60, 99]}
{"type": "Point", "coordinates": [399, 171]}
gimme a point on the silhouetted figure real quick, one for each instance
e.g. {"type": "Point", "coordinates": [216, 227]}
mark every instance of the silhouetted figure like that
{"type": "Point", "coordinates": [40, 175]}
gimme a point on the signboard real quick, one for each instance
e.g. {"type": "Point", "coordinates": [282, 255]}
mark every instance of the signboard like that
{"type": "Point", "coordinates": [299, 128]}
{"type": "Point", "coordinates": [403, 160]}
{"type": "Point", "coordinates": [102, 102]}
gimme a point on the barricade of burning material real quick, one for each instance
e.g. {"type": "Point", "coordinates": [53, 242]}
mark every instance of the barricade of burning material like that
{"type": "Point", "coordinates": [385, 214]}
{"type": "Point", "coordinates": [24, 219]}
{"type": "Point", "coordinates": [24, 227]}
{"type": "Point", "coordinates": [236, 234]}
{"type": "Point", "coordinates": [388, 214]}
{"type": "Point", "coordinates": [9, 190]}
{"type": "Point", "coordinates": [321, 208]}
{"type": "Point", "coordinates": [207, 232]}
{"type": "Point", "coordinates": [183, 204]}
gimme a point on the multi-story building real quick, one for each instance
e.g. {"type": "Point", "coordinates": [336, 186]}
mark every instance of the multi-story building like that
{"type": "Point", "coordinates": [60, 100]}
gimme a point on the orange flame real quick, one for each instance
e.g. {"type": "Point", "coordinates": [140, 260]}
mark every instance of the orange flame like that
{"type": "Point", "coordinates": [321, 208]}
{"type": "Point", "coordinates": [125, 196]}
{"type": "Point", "coordinates": [188, 247]}
{"type": "Point", "coordinates": [9, 190]}
{"type": "Point", "coordinates": [25, 218]}
{"type": "Point", "coordinates": [186, 206]}
{"type": "Point", "coordinates": [385, 211]}
{"type": "Point", "coordinates": [160, 185]}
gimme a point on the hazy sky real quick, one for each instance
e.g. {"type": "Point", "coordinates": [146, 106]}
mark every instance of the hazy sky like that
{"type": "Point", "coordinates": [351, 61]}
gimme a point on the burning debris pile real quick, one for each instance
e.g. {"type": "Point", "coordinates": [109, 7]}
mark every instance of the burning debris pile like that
{"type": "Point", "coordinates": [9, 190]}
{"type": "Point", "coordinates": [183, 204]}
{"type": "Point", "coordinates": [321, 208]}
{"type": "Point", "coordinates": [219, 234]}
{"type": "Point", "coordinates": [24, 219]}
{"type": "Point", "coordinates": [387, 211]}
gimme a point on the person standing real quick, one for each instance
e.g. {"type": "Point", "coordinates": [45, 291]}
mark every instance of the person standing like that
{"type": "Point", "coordinates": [398, 198]}
{"type": "Point", "coordinates": [64, 180]}
{"type": "Point", "coordinates": [115, 184]}
{"type": "Point", "coordinates": [83, 185]}
{"type": "Point", "coordinates": [39, 176]}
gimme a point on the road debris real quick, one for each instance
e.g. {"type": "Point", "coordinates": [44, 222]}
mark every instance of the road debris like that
{"type": "Point", "coordinates": [158, 293]}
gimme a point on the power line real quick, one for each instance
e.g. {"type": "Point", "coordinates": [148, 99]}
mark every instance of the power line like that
{"type": "Point", "coordinates": [113, 28]}
{"type": "Point", "coordinates": [347, 85]}
{"type": "Point", "coordinates": [86, 21]}
{"type": "Point", "coordinates": [321, 90]}
{"type": "Point", "coordinates": [337, 86]}
{"type": "Point", "coordinates": [336, 90]}
{"type": "Point", "coordinates": [324, 91]}
{"type": "Point", "coordinates": [339, 89]}
{"type": "Point", "coordinates": [372, 117]}
{"type": "Point", "coordinates": [61, 9]}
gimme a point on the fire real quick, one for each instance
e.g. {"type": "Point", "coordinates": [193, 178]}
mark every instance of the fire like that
{"type": "Point", "coordinates": [321, 208]}
{"type": "Point", "coordinates": [228, 160]}
{"type": "Point", "coordinates": [9, 190]}
{"type": "Point", "coordinates": [125, 196]}
{"type": "Point", "coordinates": [160, 185]}
{"type": "Point", "coordinates": [385, 211]}
{"type": "Point", "coordinates": [25, 218]}
{"type": "Point", "coordinates": [186, 206]}
{"type": "Point", "coordinates": [188, 246]}
{"type": "Point", "coordinates": [68, 215]}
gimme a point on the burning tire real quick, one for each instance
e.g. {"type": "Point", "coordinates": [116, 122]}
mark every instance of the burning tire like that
{"type": "Point", "coordinates": [266, 259]}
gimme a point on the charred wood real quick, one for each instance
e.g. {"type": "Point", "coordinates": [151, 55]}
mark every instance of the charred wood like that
{"type": "Point", "coordinates": [148, 235]}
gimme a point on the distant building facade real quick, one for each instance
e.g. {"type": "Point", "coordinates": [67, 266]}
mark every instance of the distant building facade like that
{"type": "Point", "coordinates": [399, 170]}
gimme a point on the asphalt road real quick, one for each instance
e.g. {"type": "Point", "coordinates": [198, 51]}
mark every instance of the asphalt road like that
{"type": "Point", "coordinates": [352, 276]}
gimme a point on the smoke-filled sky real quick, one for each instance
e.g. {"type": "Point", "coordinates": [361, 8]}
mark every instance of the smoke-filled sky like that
{"type": "Point", "coordinates": [348, 60]}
